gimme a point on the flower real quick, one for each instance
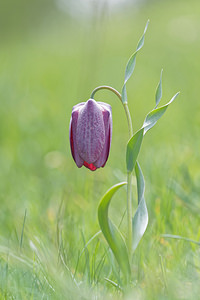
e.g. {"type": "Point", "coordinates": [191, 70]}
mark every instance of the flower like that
{"type": "Point", "coordinates": [90, 133]}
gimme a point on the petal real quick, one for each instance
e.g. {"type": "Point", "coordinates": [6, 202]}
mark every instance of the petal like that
{"type": "Point", "coordinates": [105, 106]}
{"type": "Point", "coordinates": [90, 134]}
{"type": "Point", "coordinates": [78, 106]}
{"type": "Point", "coordinates": [89, 166]}
{"type": "Point", "coordinates": [101, 161]}
{"type": "Point", "coordinates": [74, 150]}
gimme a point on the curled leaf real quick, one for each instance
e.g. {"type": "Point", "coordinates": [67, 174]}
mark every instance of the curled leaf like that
{"type": "Point", "coordinates": [159, 90]}
{"type": "Point", "coordinates": [131, 64]}
{"type": "Point", "coordinates": [112, 233]}
{"type": "Point", "coordinates": [133, 149]}
{"type": "Point", "coordinates": [140, 219]}
{"type": "Point", "coordinates": [153, 116]}
{"type": "Point", "coordinates": [135, 142]}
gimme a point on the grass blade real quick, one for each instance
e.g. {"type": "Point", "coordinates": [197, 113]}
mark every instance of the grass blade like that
{"type": "Point", "coordinates": [178, 237]}
{"type": "Point", "coordinates": [22, 233]}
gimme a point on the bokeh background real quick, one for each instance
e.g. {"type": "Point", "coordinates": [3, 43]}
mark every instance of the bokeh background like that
{"type": "Point", "coordinates": [53, 53]}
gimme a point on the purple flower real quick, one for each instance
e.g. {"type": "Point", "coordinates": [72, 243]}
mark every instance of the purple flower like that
{"type": "Point", "coordinates": [90, 133]}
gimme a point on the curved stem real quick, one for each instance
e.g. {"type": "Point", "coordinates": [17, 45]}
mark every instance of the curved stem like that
{"type": "Point", "coordinates": [106, 87]}
{"type": "Point", "coordinates": [129, 174]}
{"type": "Point", "coordinates": [125, 105]}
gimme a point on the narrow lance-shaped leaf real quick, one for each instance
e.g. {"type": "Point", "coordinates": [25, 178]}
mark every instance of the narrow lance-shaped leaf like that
{"type": "Point", "coordinates": [159, 91]}
{"type": "Point", "coordinates": [152, 117]}
{"type": "Point", "coordinates": [140, 219]}
{"type": "Point", "coordinates": [133, 149]}
{"type": "Point", "coordinates": [135, 142]}
{"type": "Point", "coordinates": [111, 232]}
{"type": "Point", "coordinates": [132, 60]}
{"type": "Point", "coordinates": [131, 64]}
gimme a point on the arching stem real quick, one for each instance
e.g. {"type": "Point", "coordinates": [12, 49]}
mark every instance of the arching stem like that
{"type": "Point", "coordinates": [129, 174]}
{"type": "Point", "coordinates": [106, 87]}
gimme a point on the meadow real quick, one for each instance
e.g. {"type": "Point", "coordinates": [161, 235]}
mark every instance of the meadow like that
{"type": "Point", "coordinates": [48, 207]}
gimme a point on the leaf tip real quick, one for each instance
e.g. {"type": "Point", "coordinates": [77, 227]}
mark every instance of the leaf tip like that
{"type": "Point", "coordinates": [147, 24]}
{"type": "Point", "coordinates": [176, 94]}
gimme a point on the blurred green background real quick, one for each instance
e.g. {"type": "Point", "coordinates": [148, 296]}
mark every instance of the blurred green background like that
{"type": "Point", "coordinates": [52, 55]}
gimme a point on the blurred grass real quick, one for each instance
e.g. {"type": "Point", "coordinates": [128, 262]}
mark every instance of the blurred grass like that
{"type": "Point", "coordinates": [47, 68]}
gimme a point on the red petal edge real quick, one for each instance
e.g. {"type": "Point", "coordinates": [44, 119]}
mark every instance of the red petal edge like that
{"type": "Point", "coordinates": [89, 166]}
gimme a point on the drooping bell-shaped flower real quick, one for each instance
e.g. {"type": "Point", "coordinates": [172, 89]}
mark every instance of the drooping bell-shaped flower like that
{"type": "Point", "coordinates": [90, 133]}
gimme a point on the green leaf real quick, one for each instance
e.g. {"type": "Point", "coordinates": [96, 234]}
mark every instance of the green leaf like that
{"type": "Point", "coordinates": [131, 64]}
{"type": "Point", "coordinates": [112, 234]}
{"type": "Point", "coordinates": [152, 117]}
{"type": "Point", "coordinates": [132, 60]}
{"type": "Point", "coordinates": [141, 41]}
{"type": "Point", "coordinates": [159, 90]}
{"type": "Point", "coordinates": [133, 149]}
{"type": "Point", "coordinates": [134, 144]}
{"type": "Point", "coordinates": [140, 219]}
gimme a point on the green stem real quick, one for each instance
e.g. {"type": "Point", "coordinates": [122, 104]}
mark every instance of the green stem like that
{"type": "Point", "coordinates": [128, 116]}
{"type": "Point", "coordinates": [129, 174]}
{"type": "Point", "coordinates": [129, 214]}
{"type": "Point", "coordinates": [129, 188]}
{"type": "Point", "coordinates": [106, 87]}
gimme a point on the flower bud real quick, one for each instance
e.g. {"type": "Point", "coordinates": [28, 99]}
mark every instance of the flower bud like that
{"type": "Point", "coordinates": [90, 133]}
